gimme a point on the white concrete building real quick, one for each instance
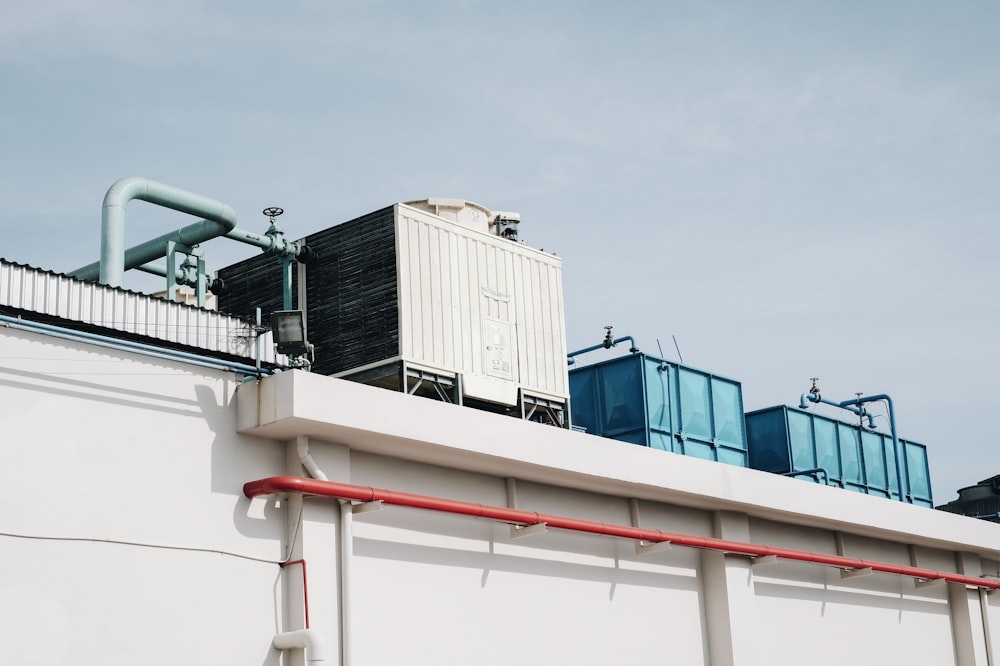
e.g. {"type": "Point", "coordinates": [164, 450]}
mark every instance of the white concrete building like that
{"type": "Point", "coordinates": [162, 504]}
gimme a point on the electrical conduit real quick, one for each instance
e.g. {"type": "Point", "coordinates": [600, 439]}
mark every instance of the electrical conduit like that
{"type": "Point", "coordinates": [343, 491]}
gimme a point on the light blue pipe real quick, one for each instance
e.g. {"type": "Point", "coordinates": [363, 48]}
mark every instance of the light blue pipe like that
{"type": "Point", "coordinates": [182, 275]}
{"type": "Point", "coordinates": [270, 243]}
{"type": "Point", "coordinates": [808, 397]}
{"type": "Point", "coordinates": [607, 344]}
{"type": "Point", "coordinates": [219, 219]}
{"type": "Point", "coordinates": [817, 471]}
{"type": "Point", "coordinates": [274, 242]}
{"type": "Point", "coordinates": [892, 430]}
{"type": "Point", "coordinates": [854, 405]}
{"type": "Point", "coordinates": [140, 256]}
{"type": "Point", "coordinates": [128, 345]}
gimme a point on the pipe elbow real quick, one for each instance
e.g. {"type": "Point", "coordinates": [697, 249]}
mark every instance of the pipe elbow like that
{"type": "Point", "coordinates": [302, 639]}
{"type": "Point", "coordinates": [135, 187]}
{"type": "Point", "coordinates": [806, 398]}
{"type": "Point", "coordinates": [302, 447]}
{"type": "Point", "coordinates": [124, 190]}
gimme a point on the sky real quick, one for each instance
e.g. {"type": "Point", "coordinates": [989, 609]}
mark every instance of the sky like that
{"type": "Point", "coordinates": [789, 189]}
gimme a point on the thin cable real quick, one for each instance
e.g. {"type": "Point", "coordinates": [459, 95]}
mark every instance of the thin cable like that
{"type": "Point", "coordinates": [139, 544]}
{"type": "Point", "coordinates": [295, 536]}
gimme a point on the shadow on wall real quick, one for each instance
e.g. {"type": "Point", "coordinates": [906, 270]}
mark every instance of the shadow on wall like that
{"type": "Point", "coordinates": [97, 391]}
{"type": "Point", "coordinates": [490, 561]}
{"type": "Point", "coordinates": [236, 459]}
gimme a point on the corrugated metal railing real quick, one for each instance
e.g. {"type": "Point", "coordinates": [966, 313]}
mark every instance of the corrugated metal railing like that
{"type": "Point", "coordinates": [57, 295]}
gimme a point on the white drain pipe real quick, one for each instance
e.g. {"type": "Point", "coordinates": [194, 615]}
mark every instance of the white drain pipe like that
{"type": "Point", "coordinates": [302, 639]}
{"type": "Point", "coordinates": [302, 449]}
{"type": "Point", "coordinates": [346, 558]}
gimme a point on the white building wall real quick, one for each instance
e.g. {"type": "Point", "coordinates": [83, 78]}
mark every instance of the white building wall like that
{"type": "Point", "coordinates": [121, 480]}
{"type": "Point", "coordinates": [455, 589]}
{"type": "Point", "coordinates": [437, 588]}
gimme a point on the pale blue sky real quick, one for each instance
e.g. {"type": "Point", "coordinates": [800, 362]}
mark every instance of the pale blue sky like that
{"type": "Point", "coordinates": [793, 189]}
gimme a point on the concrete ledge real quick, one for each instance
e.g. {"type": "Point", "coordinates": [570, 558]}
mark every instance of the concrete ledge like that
{"type": "Point", "coordinates": [393, 424]}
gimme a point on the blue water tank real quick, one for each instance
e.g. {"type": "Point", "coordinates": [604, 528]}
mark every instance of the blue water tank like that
{"type": "Point", "coordinates": [645, 400]}
{"type": "Point", "coordinates": [787, 440]}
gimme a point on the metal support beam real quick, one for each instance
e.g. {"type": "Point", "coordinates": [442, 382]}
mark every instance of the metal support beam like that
{"type": "Point", "coordinates": [650, 547]}
{"type": "Point", "coordinates": [368, 507]}
{"type": "Point", "coordinates": [519, 532]}
{"type": "Point", "coordinates": [854, 573]}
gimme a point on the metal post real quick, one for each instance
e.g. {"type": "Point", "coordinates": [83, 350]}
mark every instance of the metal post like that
{"type": "Point", "coordinates": [286, 276]}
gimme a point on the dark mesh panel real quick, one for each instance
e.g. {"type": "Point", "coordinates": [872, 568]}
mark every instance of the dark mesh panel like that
{"type": "Point", "coordinates": [352, 313]}
{"type": "Point", "coordinates": [351, 290]}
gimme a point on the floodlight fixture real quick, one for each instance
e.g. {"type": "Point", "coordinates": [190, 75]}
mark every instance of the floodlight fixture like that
{"type": "Point", "coordinates": [289, 330]}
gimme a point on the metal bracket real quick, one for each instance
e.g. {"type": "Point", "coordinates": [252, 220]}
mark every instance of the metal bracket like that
{"type": "Point", "coordinates": [854, 573]}
{"type": "Point", "coordinates": [521, 531]}
{"type": "Point", "coordinates": [763, 559]}
{"type": "Point", "coordinates": [643, 547]}
{"type": "Point", "coordinates": [920, 583]}
{"type": "Point", "coordinates": [650, 547]}
{"type": "Point", "coordinates": [367, 507]}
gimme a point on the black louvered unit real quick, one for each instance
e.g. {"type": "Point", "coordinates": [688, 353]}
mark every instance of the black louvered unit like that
{"type": "Point", "coordinates": [351, 299]}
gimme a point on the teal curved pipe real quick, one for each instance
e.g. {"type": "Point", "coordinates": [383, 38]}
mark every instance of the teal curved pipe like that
{"type": "Point", "coordinates": [219, 220]}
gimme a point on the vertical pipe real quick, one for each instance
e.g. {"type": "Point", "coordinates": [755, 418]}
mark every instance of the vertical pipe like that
{"type": "Point", "coordinates": [346, 556]}
{"type": "Point", "coordinates": [257, 339]}
{"type": "Point", "coordinates": [897, 454]}
{"type": "Point", "coordinates": [172, 271]}
{"type": "Point", "coordinates": [984, 610]}
{"type": "Point", "coordinates": [286, 278]}
{"type": "Point", "coordinates": [201, 287]}
{"type": "Point", "coordinates": [301, 297]}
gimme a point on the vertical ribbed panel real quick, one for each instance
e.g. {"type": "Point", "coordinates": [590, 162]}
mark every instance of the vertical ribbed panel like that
{"type": "Point", "coordinates": [56, 295]}
{"type": "Point", "coordinates": [455, 283]}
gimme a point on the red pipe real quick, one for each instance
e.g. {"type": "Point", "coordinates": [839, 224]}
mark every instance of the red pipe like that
{"type": "Point", "coordinates": [305, 585]}
{"type": "Point", "coordinates": [297, 484]}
